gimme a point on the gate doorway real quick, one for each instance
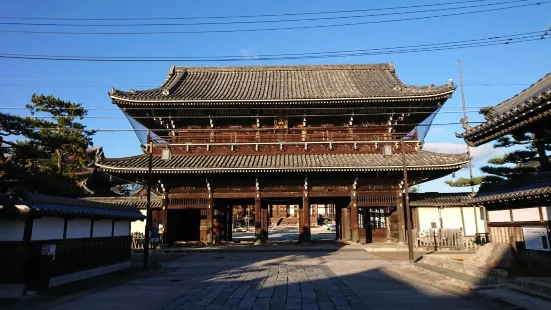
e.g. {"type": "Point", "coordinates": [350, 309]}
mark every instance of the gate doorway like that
{"type": "Point", "coordinates": [372, 223]}
{"type": "Point", "coordinates": [183, 225]}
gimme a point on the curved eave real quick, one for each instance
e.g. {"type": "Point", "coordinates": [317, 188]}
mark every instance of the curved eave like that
{"type": "Point", "coordinates": [453, 166]}
{"type": "Point", "coordinates": [131, 101]}
{"type": "Point", "coordinates": [507, 123]}
{"type": "Point", "coordinates": [533, 194]}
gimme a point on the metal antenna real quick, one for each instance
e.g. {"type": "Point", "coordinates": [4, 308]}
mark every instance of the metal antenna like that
{"type": "Point", "coordinates": [465, 118]}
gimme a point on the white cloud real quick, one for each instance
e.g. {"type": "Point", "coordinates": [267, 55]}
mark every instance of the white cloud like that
{"type": "Point", "coordinates": [479, 154]}
{"type": "Point", "coordinates": [437, 130]}
{"type": "Point", "coordinates": [248, 53]}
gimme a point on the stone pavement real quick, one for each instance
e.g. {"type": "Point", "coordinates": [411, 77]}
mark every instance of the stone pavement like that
{"type": "Point", "coordinates": [330, 280]}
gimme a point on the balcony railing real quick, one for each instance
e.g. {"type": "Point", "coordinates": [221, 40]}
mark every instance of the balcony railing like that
{"type": "Point", "coordinates": [229, 138]}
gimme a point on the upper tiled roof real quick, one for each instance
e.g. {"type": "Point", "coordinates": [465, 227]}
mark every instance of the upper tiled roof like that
{"type": "Point", "coordinates": [280, 83]}
{"type": "Point", "coordinates": [525, 108]}
{"type": "Point", "coordinates": [439, 199]}
{"type": "Point", "coordinates": [285, 163]}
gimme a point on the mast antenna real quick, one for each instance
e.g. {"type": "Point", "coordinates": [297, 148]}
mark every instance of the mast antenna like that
{"type": "Point", "coordinates": [465, 120]}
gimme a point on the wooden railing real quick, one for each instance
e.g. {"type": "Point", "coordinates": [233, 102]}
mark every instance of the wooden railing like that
{"type": "Point", "coordinates": [254, 137]}
{"type": "Point", "coordinates": [448, 238]}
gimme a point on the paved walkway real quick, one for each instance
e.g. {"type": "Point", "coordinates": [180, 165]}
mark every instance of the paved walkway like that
{"type": "Point", "coordinates": [331, 280]}
{"type": "Point", "coordinates": [285, 233]}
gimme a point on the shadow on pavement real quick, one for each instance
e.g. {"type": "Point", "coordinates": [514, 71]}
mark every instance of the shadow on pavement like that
{"type": "Point", "coordinates": [284, 279]}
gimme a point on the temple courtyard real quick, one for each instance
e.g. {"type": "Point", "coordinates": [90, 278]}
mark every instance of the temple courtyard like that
{"type": "Point", "coordinates": [344, 278]}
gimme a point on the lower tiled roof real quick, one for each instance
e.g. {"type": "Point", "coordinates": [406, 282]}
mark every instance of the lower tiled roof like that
{"type": "Point", "coordinates": [439, 199]}
{"type": "Point", "coordinates": [285, 163]}
{"type": "Point", "coordinates": [45, 205]}
{"type": "Point", "coordinates": [532, 190]}
{"type": "Point", "coordinates": [131, 201]}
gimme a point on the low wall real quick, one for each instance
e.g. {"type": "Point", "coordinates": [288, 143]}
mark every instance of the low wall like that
{"type": "Point", "coordinates": [85, 274]}
{"type": "Point", "coordinates": [451, 262]}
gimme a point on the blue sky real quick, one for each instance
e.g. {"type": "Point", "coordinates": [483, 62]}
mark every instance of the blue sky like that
{"type": "Point", "coordinates": [491, 74]}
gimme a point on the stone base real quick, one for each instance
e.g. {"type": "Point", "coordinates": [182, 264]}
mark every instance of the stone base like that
{"type": "Point", "coordinates": [85, 274]}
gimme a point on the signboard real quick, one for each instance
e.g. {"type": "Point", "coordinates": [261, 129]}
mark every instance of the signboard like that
{"type": "Point", "coordinates": [49, 249]}
{"type": "Point", "coordinates": [536, 238]}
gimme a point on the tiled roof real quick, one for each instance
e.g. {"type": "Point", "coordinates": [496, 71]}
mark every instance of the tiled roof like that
{"type": "Point", "coordinates": [131, 201]}
{"type": "Point", "coordinates": [439, 199]}
{"type": "Point", "coordinates": [530, 190]}
{"type": "Point", "coordinates": [525, 108]}
{"type": "Point", "coordinates": [45, 205]}
{"type": "Point", "coordinates": [285, 163]}
{"type": "Point", "coordinates": [280, 83]}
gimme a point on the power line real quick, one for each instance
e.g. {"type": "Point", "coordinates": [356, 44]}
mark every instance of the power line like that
{"type": "Point", "coordinates": [262, 21]}
{"type": "Point", "coordinates": [275, 28]}
{"type": "Point", "coordinates": [241, 16]}
{"type": "Point", "coordinates": [167, 118]}
{"type": "Point", "coordinates": [266, 56]}
{"type": "Point", "coordinates": [165, 129]}
{"type": "Point", "coordinates": [462, 46]}
{"type": "Point", "coordinates": [155, 86]}
{"type": "Point", "coordinates": [263, 108]}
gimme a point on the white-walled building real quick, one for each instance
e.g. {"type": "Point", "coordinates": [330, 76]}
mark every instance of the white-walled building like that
{"type": "Point", "coordinates": [47, 241]}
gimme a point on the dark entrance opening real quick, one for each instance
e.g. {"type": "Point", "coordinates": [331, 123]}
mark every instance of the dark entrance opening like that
{"type": "Point", "coordinates": [183, 225]}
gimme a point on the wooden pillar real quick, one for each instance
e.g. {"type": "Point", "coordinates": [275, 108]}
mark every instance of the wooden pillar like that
{"type": "Point", "coordinates": [229, 223]}
{"type": "Point", "coordinates": [346, 232]}
{"type": "Point", "coordinates": [264, 223]}
{"type": "Point", "coordinates": [257, 218]}
{"type": "Point", "coordinates": [354, 217]}
{"type": "Point", "coordinates": [164, 217]}
{"type": "Point", "coordinates": [401, 220]}
{"type": "Point", "coordinates": [462, 220]}
{"type": "Point", "coordinates": [210, 209]}
{"type": "Point", "coordinates": [305, 235]}
{"type": "Point", "coordinates": [338, 226]}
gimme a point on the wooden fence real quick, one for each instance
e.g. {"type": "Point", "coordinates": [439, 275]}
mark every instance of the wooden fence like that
{"type": "Point", "coordinates": [138, 240]}
{"type": "Point", "coordinates": [449, 239]}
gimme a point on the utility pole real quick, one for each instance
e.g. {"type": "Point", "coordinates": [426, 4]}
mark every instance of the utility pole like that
{"type": "Point", "coordinates": [406, 204]}
{"type": "Point", "coordinates": [148, 204]}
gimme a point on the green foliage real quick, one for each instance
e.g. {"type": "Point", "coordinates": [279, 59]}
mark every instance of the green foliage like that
{"type": "Point", "coordinates": [51, 148]}
{"type": "Point", "coordinates": [463, 182]}
{"type": "Point", "coordinates": [510, 165]}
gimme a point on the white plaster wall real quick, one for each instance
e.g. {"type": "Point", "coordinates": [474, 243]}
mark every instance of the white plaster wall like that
{"type": "Point", "coordinates": [451, 218]}
{"type": "Point", "coordinates": [102, 228]}
{"type": "Point", "coordinates": [138, 226]}
{"type": "Point", "coordinates": [426, 216]}
{"type": "Point", "coordinates": [11, 230]}
{"type": "Point", "coordinates": [48, 228]}
{"type": "Point", "coordinates": [470, 220]}
{"type": "Point", "coordinates": [546, 213]}
{"type": "Point", "coordinates": [498, 216]}
{"type": "Point", "coordinates": [526, 215]}
{"type": "Point", "coordinates": [78, 228]}
{"type": "Point", "coordinates": [481, 218]}
{"type": "Point", "coordinates": [121, 228]}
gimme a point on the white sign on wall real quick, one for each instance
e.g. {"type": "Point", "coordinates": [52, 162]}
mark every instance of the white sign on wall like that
{"type": "Point", "coordinates": [49, 249]}
{"type": "Point", "coordinates": [536, 238]}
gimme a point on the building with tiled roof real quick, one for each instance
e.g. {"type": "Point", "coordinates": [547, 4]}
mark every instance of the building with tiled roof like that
{"type": "Point", "coordinates": [311, 135]}
{"type": "Point", "coordinates": [517, 209]}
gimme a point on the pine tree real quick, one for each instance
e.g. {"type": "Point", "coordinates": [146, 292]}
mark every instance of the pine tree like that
{"type": "Point", "coordinates": [513, 165]}
{"type": "Point", "coordinates": [50, 150]}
